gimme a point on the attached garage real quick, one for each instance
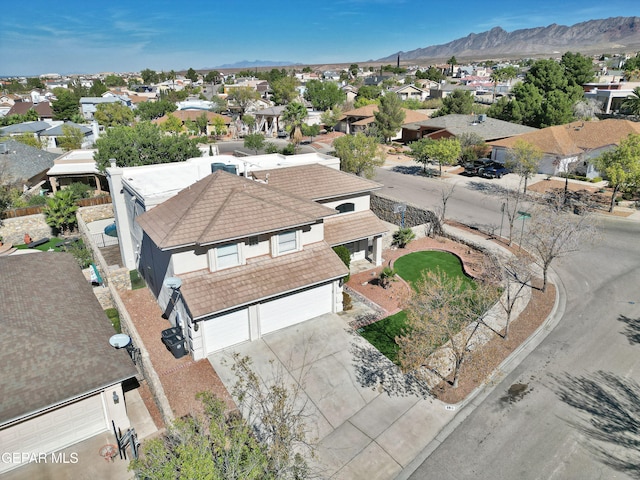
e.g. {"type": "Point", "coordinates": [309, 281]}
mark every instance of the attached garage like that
{"type": "Point", "coordinates": [298, 307]}
{"type": "Point", "coordinates": [226, 330]}
{"type": "Point", "coordinates": [55, 430]}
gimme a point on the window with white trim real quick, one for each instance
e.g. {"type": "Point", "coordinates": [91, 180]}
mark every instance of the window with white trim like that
{"type": "Point", "coordinates": [227, 256]}
{"type": "Point", "coordinates": [287, 242]}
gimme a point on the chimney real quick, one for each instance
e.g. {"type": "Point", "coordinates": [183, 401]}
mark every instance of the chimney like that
{"type": "Point", "coordinates": [398, 61]}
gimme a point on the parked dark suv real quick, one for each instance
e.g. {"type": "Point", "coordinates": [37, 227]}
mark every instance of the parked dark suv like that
{"type": "Point", "coordinates": [473, 168]}
{"type": "Point", "coordinates": [494, 170]}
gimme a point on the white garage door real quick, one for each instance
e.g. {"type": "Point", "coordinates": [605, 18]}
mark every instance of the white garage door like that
{"type": "Point", "coordinates": [226, 330]}
{"type": "Point", "coordinates": [295, 308]}
{"type": "Point", "coordinates": [55, 430]}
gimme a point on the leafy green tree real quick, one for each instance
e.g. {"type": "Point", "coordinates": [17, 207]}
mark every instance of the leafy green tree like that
{"type": "Point", "coordinates": [112, 114]}
{"type": "Point", "coordinates": [472, 146]}
{"type": "Point", "coordinates": [249, 121]}
{"type": "Point", "coordinates": [60, 211]}
{"type": "Point", "coordinates": [78, 89]}
{"type": "Point", "coordinates": [71, 138]}
{"type": "Point", "coordinates": [34, 83]}
{"type": "Point", "coordinates": [621, 166]}
{"type": "Point", "coordinates": [192, 75]}
{"type": "Point", "coordinates": [201, 122]}
{"type": "Point", "coordinates": [578, 68]}
{"type": "Point", "coordinates": [412, 104]}
{"type": "Point", "coordinates": [632, 102]}
{"type": "Point", "coordinates": [218, 125]}
{"type": "Point", "coordinates": [445, 151]}
{"type": "Point", "coordinates": [28, 139]}
{"type": "Point", "coordinates": [294, 116]}
{"type": "Point", "coordinates": [330, 118]}
{"type": "Point", "coordinates": [353, 69]}
{"type": "Point", "coordinates": [284, 90]}
{"type": "Point", "coordinates": [370, 92]}
{"type": "Point", "coordinates": [459, 101]}
{"type": "Point", "coordinates": [112, 80]}
{"type": "Point", "coordinates": [212, 445]}
{"type": "Point", "coordinates": [149, 77]}
{"type": "Point", "coordinates": [524, 160]}
{"type": "Point", "coordinates": [363, 102]}
{"type": "Point", "coordinates": [153, 110]}
{"type": "Point", "coordinates": [254, 141]}
{"type": "Point", "coordinates": [98, 88]}
{"type": "Point", "coordinates": [212, 77]}
{"type": "Point", "coordinates": [556, 109]}
{"type": "Point", "coordinates": [432, 73]}
{"type": "Point", "coordinates": [29, 116]}
{"type": "Point", "coordinates": [389, 117]}
{"type": "Point", "coordinates": [632, 63]}
{"type": "Point", "coordinates": [66, 104]}
{"type": "Point", "coordinates": [323, 95]}
{"type": "Point", "coordinates": [359, 154]}
{"type": "Point", "coordinates": [142, 144]}
{"type": "Point", "coordinates": [173, 125]}
{"type": "Point", "coordinates": [310, 130]}
{"type": "Point", "coordinates": [243, 97]}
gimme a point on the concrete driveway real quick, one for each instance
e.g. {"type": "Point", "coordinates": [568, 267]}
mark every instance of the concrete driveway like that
{"type": "Point", "coordinates": [369, 422]}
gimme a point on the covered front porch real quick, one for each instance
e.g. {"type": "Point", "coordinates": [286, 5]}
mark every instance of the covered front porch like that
{"type": "Point", "coordinates": [360, 232]}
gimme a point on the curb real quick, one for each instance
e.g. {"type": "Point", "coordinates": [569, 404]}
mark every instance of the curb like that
{"type": "Point", "coordinates": [468, 405]}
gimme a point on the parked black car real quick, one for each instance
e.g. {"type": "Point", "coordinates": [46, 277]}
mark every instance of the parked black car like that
{"type": "Point", "coordinates": [473, 168]}
{"type": "Point", "coordinates": [494, 170]}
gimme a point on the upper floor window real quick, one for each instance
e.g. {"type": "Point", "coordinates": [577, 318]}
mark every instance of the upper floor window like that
{"type": "Point", "coordinates": [287, 242]}
{"type": "Point", "coordinates": [346, 207]}
{"type": "Point", "coordinates": [227, 256]}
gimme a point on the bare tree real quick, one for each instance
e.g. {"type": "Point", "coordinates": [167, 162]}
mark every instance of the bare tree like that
{"type": "Point", "coordinates": [511, 204]}
{"type": "Point", "coordinates": [515, 274]}
{"type": "Point", "coordinates": [442, 314]}
{"type": "Point", "coordinates": [524, 159]}
{"type": "Point", "coordinates": [278, 412]}
{"type": "Point", "coordinates": [445, 194]}
{"type": "Point", "coordinates": [553, 233]}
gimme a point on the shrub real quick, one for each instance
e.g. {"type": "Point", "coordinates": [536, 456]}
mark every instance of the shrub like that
{"type": "Point", "coordinates": [346, 302]}
{"type": "Point", "coordinates": [403, 236]}
{"type": "Point", "coordinates": [114, 317]}
{"type": "Point", "coordinates": [37, 200]}
{"type": "Point", "coordinates": [386, 275]}
{"type": "Point", "coordinates": [270, 148]}
{"type": "Point", "coordinates": [80, 190]}
{"type": "Point", "coordinates": [290, 149]}
{"type": "Point", "coordinates": [345, 256]}
{"type": "Point", "coordinates": [81, 253]}
{"type": "Point", "coordinates": [596, 179]}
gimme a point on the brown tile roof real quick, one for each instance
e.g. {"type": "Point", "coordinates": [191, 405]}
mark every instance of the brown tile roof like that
{"type": "Point", "coordinates": [576, 137]}
{"type": "Point", "coordinates": [317, 182]}
{"type": "Point", "coordinates": [368, 111]}
{"type": "Point", "coordinates": [185, 115]}
{"type": "Point", "coordinates": [206, 293]}
{"type": "Point", "coordinates": [350, 227]}
{"type": "Point", "coordinates": [223, 206]}
{"type": "Point", "coordinates": [43, 109]}
{"type": "Point", "coordinates": [55, 341]}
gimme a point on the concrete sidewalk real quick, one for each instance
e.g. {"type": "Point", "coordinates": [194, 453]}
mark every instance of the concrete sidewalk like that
{"type": "Point", "coordinates": [370, 421]}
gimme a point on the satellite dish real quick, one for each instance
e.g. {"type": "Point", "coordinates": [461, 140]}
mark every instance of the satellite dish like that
{"type": "Point", "coordinates": [119, 340]}
{"type": "Point", "coordinates": [173, 283]}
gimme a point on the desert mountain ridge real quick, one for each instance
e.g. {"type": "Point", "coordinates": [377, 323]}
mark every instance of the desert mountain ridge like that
{"type": "Point", "coordinates": [611, 35]}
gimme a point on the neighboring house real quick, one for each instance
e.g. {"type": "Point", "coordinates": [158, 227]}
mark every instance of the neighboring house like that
{"type": "Point", "coordinates": [76, 166]}
{"type": "Point", "coordinates": [88, 105]}
{"type": "Point", "coordinates": [43, 109]}
{"type": "Point", "coordinates": [61, 381]}
{"type": "Point", "coordinates": [253, 254]}
{"type": "Point", "coordinates": [192, 115]}
{"type": "Point", "coordinates": [572, 146]}
{"type": "Point", "coordinates": [35, 128]}
{"type": "Point", "coordinates": [358, 120]}
{"type": "Point", "coordinates": [610, 96]}
{"type": "Point", "coordinates": [455, 125]}
{"type": "Point", "coordinates": [268, 120]}
{"type": "Point", "coordinates": [351, 92]}
{"type": "Point", "coordinates": [410, 92]}
{"type": "Point", "coordinates": [52, 135]}
{"type": "Point", "coordinates": [446, 89]}
{"type": "Point", "coordinates": [22, 164]}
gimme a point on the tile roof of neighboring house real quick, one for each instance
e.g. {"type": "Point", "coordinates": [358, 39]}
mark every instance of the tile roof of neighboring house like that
{"type": "Point", "coordinates": [350, 227]}
{"type": "Point", "coordinates": [367, 112]}
{"type": "Point", "coordinates": [55, 345]}
{"type": "Point", "coordinates": [43, 109]}
{"type": "Point", "coordinates": [25, 127]}
{"type": "Point", "coordinates": [271, 111]}
{"type": "Point", "coordinates": [59, 131]}
{"type": "Point", "coordinates": [185, 115]}
{"type": "Point", "coordinates": [260, 278]}
{"type": "Point", "coordinates": [316, 182]}
{"type": "Point", "coordinates": [456, 124]}
{"type": "Point", "coordinates": [223, 206]}
{"type": "Point", "coordinates": [24, 162]}
{"type": "Point", "coordinates": [576, 137]}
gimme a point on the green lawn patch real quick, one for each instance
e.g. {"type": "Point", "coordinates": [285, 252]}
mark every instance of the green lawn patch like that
{"type": "Point", "coordinates": [410, 267]}
{"type": "Point", "coordinates": [54, 243]}
{"type": "Point", "coordinates": [136, 280]}
{"type": "Point", "coordinates": [114, 318]}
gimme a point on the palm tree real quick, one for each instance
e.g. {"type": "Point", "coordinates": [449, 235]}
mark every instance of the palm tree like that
{"type": "Point", "coordinates": [632, 103]}
{"type": "Point", "coordinates": [294, 115]}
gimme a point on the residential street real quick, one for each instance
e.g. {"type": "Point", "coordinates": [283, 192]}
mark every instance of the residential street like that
{"type": "Point", "coordinates": [533, 433]}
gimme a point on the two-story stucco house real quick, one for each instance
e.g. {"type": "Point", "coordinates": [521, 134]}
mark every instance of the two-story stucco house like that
{"type": "Point", "coordinates": [252, 253]}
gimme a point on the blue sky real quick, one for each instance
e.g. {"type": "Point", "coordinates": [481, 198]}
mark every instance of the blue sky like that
{"type": "Point", "coordinates": [72, 36]}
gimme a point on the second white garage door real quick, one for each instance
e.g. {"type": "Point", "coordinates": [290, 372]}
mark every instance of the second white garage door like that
{"type": "Point", "coordinates": [226, 330]}
{"type": "Point", "coordinates": [296, 308]}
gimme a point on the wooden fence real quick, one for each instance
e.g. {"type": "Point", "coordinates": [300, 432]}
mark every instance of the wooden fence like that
{"type": "Point", "coordinates": [84, 202]}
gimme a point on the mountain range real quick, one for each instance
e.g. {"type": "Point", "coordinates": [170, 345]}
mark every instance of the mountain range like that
{"type": "Point", "coordinates": [611, 35]}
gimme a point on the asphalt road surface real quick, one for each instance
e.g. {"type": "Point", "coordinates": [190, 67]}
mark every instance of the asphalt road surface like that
{"type": "Point", "coordinates": [571, 409]}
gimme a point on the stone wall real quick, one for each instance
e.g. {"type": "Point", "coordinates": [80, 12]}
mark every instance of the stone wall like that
{"type": "Point", "coordinates": [97, 212]}
{"type": "Point", "coordinates": [12, 230]}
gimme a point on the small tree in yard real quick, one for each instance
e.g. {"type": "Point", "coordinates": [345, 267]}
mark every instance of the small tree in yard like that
{"type": "Point", "coordinates": [403, 236]}
{"type": "Point", "coordinates": [621, 166]}
{"type": "Point", "coordinates": [359, 154]}
{"type": "Point", "coordinates": [445, 151]}
{"type": "Point", "coordinates": [60, 211]}
{"type": "Point", "coordinates": [442, 313]}
{"type": "Point", "coordinates": [553, 234]}
{"type": "Point", "coordinates": [524, 159]}
{"type": "Point", "coordinates": [254, 141]}
{"type": "Point", "coordinates": [386, 275]}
